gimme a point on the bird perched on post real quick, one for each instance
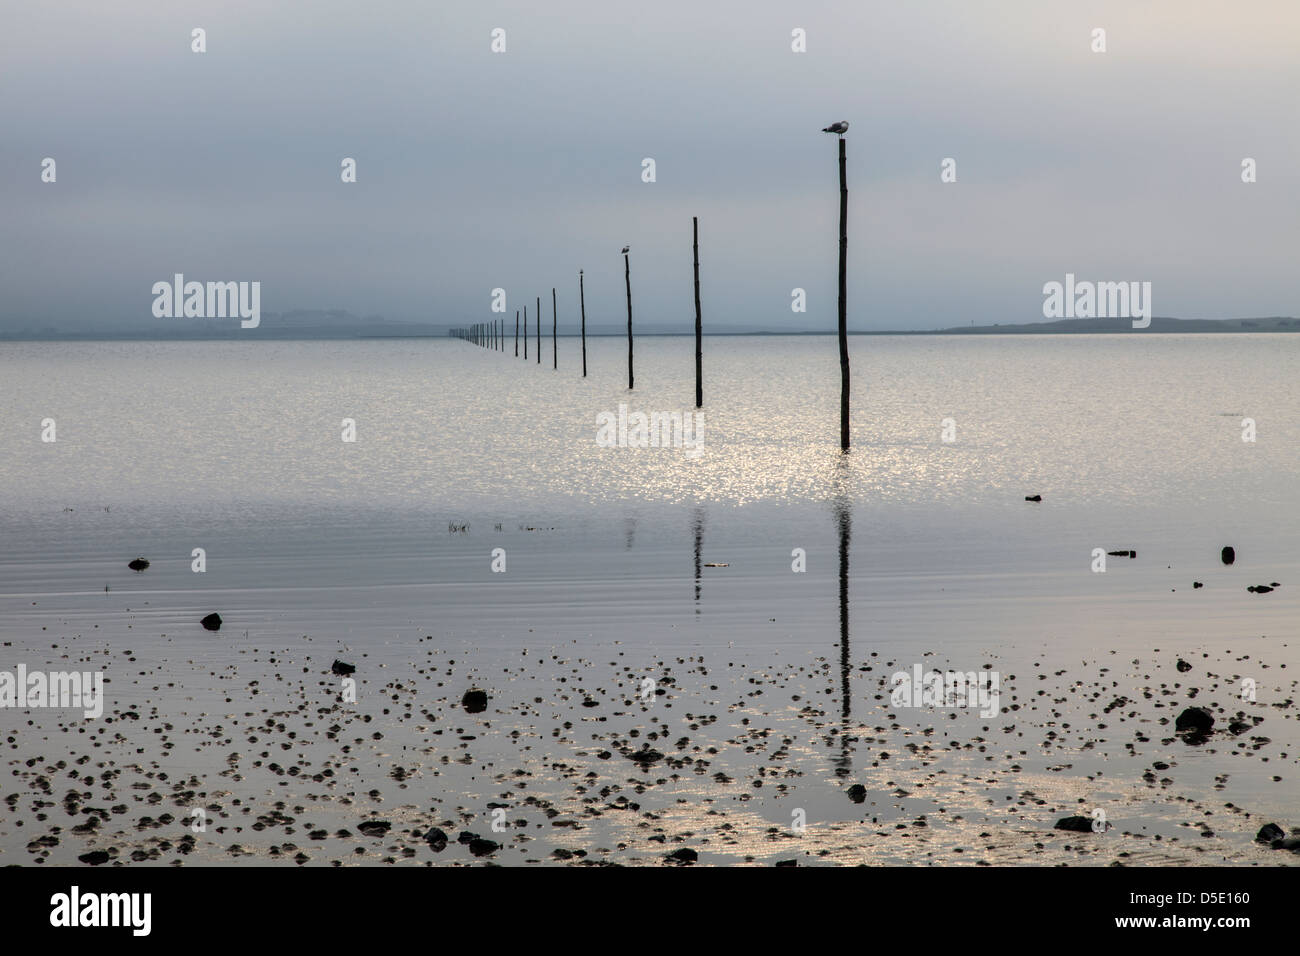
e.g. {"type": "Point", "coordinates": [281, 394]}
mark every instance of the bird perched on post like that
{"type": "Point", "coordinates": [624, 250]}
{"type": "Point", "coordinates": [841, 128]}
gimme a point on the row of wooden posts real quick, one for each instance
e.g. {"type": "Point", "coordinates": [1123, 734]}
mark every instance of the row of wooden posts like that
{"type": "Point", "coordinates": [492, 334]}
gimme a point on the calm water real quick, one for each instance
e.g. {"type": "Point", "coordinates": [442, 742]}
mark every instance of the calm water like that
{"type": "Point", "coordinates": [317, 547]}
{"type": "Point", "coordinates": [219, 428]}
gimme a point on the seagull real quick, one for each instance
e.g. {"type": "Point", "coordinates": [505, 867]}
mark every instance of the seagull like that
{"type": "Point", "coordinates": [624, 250]}
{"type": "Point", "coordinates": [841, 127]}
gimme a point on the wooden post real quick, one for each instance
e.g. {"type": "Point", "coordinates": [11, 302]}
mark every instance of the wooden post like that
{"type": "Point", "coordinates": [699, 329]}
{"type": "Point", "coordinates": [539, 330]}
{"type": "Point", "coordinates": [555, 355]}
{"type": "Point", "coordinates": [844, 330]}
{"type": "Point", "coordinates": [516, 333]}
{"type": "Point", "coordinates": [627, 277]}
{"type": "Point", "coordinates": [582, 298]}
{"type": "Point", "coordinates": [525, 333]}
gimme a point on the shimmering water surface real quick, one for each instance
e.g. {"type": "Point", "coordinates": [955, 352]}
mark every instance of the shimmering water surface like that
{"type": "Point", "coordinates": [918, 551]}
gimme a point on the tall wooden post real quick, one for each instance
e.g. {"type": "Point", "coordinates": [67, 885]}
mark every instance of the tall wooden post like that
{"type": "Point", "coordinates": [525, 333]}
{"type": "Point", "coordinates": [555, 355]}
{"type": "Point", "coordinates": [539, 330]}
{"type": "Point", "coordinates": [627, 277]}
{"type": "Point", "coordinates": [844, 329]}
{"type": "Point", "coordinates": [699, 328]}
{"type": "Point", "coordinates": [582, 298]}
{"type": "Point", "coordinates": [516, 333]}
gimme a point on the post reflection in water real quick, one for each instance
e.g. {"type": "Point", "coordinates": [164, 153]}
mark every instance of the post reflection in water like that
{"type": "Point", "coordinates": [844, 524]}
{"type": "Point", "coordinates": [699, 541]}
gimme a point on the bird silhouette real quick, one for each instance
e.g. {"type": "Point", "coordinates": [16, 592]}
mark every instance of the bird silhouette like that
{"type": "Point", "coordinates": [624, 250]}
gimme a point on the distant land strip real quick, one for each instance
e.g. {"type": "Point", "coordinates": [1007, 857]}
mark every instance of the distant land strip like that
{"type": "Point", "coordinates": [343, 325]}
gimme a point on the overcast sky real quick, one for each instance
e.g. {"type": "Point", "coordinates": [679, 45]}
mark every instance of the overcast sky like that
{"type": "Point", "coordinates": [479, 170]}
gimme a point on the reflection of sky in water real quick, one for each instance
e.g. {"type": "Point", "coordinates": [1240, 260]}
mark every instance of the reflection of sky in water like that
{"type": "Point", "coordinates": [441, 424]}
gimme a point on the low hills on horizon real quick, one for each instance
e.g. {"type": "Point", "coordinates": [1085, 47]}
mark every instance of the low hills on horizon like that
{"type": "Point", "coordinates": [340, 324]}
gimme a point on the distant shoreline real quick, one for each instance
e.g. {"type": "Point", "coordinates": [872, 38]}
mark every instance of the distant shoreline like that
{"type": "Point", "coordinates": [268, 331]}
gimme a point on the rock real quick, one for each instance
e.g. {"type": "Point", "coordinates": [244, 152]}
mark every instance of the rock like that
{"type": "Point", "coordinates": [139, 564]}
{"type": "Point", "coordinates": [480, 847]}
{"type": "Point", "coordinates": [1197, 584]}
{"type": "Point", "coordinates": [787, 862]}
{"type": "Point", "coordinates": [1183, 666]}
{"type": "Point", "coordinates": [1074, 824]}
{"type": "Point", "coordinates": [1228, 555]}
{"type": "Point", "coordinates": [1196, 720]}
{"type": "Point", "coordinates": [1287, 843]}
{"type": "Point", "coordinates": [465, 837]}
{"type": "Point", "coordinates": [1033, 497]}
{"type": "Point", "coordinates": [375, 827]}
{"type": "Point", "coordinates": [338, 667]}
{"type": "Point", "coordinates": [645, 756]}
{"type": "Point", "coordinates": [436, 839]}
{"type": "Point", "coordinates": [94, 857]}
{"type": "Point", "coordinates": [1259, 589]}
{"type": "Point", "coordinates": [685, 856]}
{"type": "Point", "coordinates": [474, 701]}
{"type": "Point", "coordinates": [212, 622]}
{"type": "Point", "coordinates": [857, 793]}
{"type": "Point", "coordinates": [1269, 832]}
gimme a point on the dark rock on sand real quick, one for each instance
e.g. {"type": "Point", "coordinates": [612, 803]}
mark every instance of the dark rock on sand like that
{"type": "Point", "coordinates": [1197, 584]}
{"type": "Point", "coordinates": [857, 793]}
{"type": "Point", "coordinates": [1033, 497]}
{"type": "Point", "coordinates": [1074, 824]}
{"type": "Point", "coordinates": [787, 862]}
{"type": "Point", "coordinates": [685, 856]}
{"type": "Point", "coordinates": [1228, 555]}
{"type": "Point", "coordinates": [1196, 720]}
{"type": "Point", "coordinates": [480, 847]}
{"type": "Point", "coordinates": [338, 667]}
{"type": "Point", "coordinates": [94, 857]}
{"type": "Point", "coordinates": [1287, 843]}
{"type": "Point", "coordinates": [465, 837]}
{"type": "Point", "coordinates": [139, 564]}
{"type": "Point", "coordinates": [1183, 666]}
{"type": "Point", "coordinates": [1269, 832]}
{"type": "Point", "coordinates": [645, 756]}
{"type": "Point", "coordinates": [474, 701]}
{"type": "Point", "coordinates": [436, 839]}
{"type": "Point", "coordinates": [374, 827]}
{"type": "Point", "coordinates": [212, 622]}
{"type": "Point", "coordinates": [1259, 589]}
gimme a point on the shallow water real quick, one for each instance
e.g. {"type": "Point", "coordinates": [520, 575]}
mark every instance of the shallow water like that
{"type": "Point", "coordinates": [319, 549]}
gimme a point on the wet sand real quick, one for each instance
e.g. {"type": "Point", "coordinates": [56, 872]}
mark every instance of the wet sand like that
{"type": "Point", "coordinates": [759, 715]}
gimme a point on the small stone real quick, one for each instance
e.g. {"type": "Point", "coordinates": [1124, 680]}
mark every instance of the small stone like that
{"type": "Point", "coordinates": [1269, 832]}
{"type": "Point", "coordinates": [1196, 720]}
{"type": "Point", "coordinates": [1074, 824]}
